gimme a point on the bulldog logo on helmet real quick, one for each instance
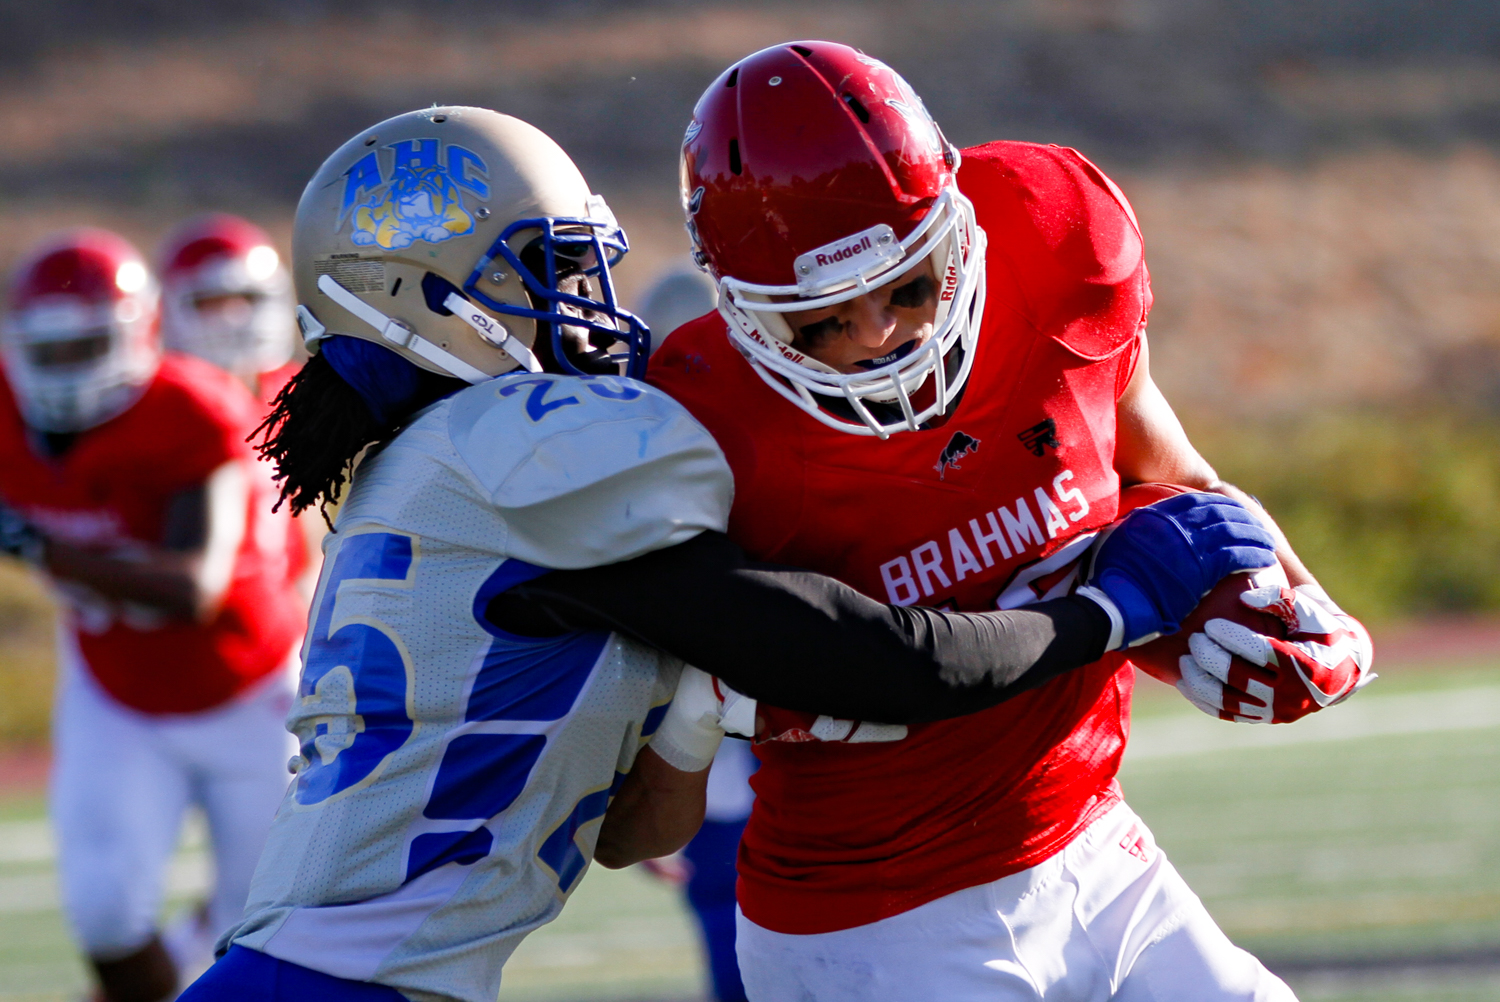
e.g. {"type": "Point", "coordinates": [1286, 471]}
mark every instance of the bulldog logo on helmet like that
{"type": "Point", "coordinates": [421, 199]}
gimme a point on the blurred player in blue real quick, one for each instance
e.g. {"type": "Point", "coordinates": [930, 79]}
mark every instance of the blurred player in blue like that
{"type": "Point", "coordinates": [711, 855]}
{"type": "Point", "coordinates": [530, 549]}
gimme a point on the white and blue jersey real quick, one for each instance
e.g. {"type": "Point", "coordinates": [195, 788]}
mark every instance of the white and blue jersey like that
{"type": "Point", "coordinates": [452, 776]}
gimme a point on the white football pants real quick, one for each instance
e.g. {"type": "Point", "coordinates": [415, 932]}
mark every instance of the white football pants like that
{"type": "Point", "coordinates": [1106, 918]}
{"type": "Point", "coordinates": [121, 781]}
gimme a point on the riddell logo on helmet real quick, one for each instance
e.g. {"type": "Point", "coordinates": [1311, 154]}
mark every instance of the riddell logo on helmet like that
{"type": "Point", "coordinates": [843, 253]}
{"type": "Point", "coordinates": [853, 255]}
{"type": "Point", "coordinates": [786, 350]}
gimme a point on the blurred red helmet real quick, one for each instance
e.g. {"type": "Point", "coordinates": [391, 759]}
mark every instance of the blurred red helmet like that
{"type": "Point", "coordinates": [812, 174]}
{"type": "Point", "coordinates": [226, 296]}
{"type": "Point", "coordinates": [79, 335]}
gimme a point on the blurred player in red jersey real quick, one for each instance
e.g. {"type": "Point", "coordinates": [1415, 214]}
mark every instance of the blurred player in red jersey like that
{"type": "Point", "coordinates": [125, 477]}
{"type": "Point", "coordinates": [930, 383]}
{"type": "Point", "coordinates": [227, 299]}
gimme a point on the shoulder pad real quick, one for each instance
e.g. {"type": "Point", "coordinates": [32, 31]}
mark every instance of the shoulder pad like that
{"type": "Point", "coordinates": [1064, 246]}
{"type": "Point", "coordinates": [589, 471]}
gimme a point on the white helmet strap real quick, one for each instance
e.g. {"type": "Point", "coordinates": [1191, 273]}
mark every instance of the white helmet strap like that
{"type": "Point", "coordinates": [397, 333]}
{"type": "Point", "coordinates": [492, 331]}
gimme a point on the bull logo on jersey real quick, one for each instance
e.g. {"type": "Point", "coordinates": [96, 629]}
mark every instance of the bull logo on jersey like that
{"type": "Point", "coordinates": [420, 196]}
{"type": "Point", "coordinates": [959, 446]}
{"type": "Point", "coordinates": [1040, 437]}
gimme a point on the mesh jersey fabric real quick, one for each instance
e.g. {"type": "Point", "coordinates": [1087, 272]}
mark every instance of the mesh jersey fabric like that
{"type": "Point", "coordinates": [452, 775]}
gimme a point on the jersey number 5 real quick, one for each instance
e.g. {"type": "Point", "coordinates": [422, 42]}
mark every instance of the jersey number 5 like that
{"type": "Point", "coordinates": [353, 694]}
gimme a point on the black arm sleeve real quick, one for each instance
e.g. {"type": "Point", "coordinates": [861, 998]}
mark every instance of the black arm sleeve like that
{"type": "Point", "coordinates": [803, 641]}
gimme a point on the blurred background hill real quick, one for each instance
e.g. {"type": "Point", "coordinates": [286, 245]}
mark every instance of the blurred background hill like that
{"type": "Point", "coordinates": [1318, 183]}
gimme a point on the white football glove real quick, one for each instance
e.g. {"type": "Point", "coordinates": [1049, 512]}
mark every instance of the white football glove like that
{"type": "Point", "coordinates": [1235, 673]}
{"type": "Point", "coordinates": [705, 709]}
{"type": "Point", "coordinates": [702, 712]}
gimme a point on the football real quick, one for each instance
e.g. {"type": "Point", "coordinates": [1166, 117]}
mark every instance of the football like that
{"type": "Point", "coordinates": [1159, 658]}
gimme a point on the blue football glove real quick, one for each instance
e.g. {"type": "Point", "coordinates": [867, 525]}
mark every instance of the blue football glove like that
{"type": "Point", "coordinates": [1153, 566]}
{"type": "Point", "coordinates": [18, 537]}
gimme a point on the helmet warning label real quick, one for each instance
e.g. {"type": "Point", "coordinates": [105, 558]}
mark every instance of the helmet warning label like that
{"type": "Point", "coordinates": [355, 272]}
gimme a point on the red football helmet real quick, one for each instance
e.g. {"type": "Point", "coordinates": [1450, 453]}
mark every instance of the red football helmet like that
{"type": "Point", "coordinates": [812, 174]}
{"type": "Point", "coordinates": [79, 335]}
{"type": "Point", "coordinates": [226, 297]}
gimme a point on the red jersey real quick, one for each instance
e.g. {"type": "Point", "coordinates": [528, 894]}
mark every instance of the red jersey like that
{"type": "Point", "coordinates": [271, 383]}
{"type": "Point", "coordinates": [977, 513]}
{"type": "Point", "coordinates": [299, 553]}
{"type": "Point", "coordinates": [111, 489]}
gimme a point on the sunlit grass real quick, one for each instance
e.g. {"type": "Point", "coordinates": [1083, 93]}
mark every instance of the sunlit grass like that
{"type": "Point", "coordinates": [1366, 847]}
{"type": "Point", "coordinates": [1335, 848]}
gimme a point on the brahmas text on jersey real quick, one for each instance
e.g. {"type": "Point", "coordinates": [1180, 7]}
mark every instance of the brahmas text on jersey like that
{"type": "Point", "coordinates": [452, 776]}
{"type": "Point", "coordinates": [990, 509]}
{"type": "Point", "coordinates": [111, 489]}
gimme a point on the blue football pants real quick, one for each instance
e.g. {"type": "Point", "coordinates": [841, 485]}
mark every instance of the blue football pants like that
{"type": "Point", "coordinates": [244, 975]}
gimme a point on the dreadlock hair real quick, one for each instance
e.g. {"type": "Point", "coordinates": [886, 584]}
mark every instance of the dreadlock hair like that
{"type": "Point", "coordinates": [318, 426]}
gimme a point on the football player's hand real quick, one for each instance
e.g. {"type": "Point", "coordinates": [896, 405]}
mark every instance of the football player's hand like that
{"type": "Point", "coordinates": [673, 870]}
{"type": "Point", "coordinates": [1235, 673]}
{"type": "Point", "coordinates": [18, 537]}
{"type": "Point", "coordinates": [702, 712]}
{"type": "Point", "coordinates": [1150, 568]}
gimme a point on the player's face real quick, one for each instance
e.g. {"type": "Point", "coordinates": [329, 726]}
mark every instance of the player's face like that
{"type": "Point", "coordinates": [61, 353]}
{"type": "Point", "coordinates": [585, 348]}
{"type": "Point", "coordinates": [871, 330]}
{"type": "Point", "coordinates": [232, 310]}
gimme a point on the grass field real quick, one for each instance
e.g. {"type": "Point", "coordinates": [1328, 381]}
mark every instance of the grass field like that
{"type": "Point", "coordinates": [1334, 849]}
{"type": "Point", "coordinates": [1346, 841]}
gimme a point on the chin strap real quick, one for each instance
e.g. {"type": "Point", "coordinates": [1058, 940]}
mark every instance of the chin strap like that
{"type": "Point", "coordinates": [492, 331]}
{"type": "Point", "coordinates": [399, 334]}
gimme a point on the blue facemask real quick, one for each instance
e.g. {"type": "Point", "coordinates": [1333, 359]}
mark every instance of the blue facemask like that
{"type": "Point", "coordinates": [592, 245]}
